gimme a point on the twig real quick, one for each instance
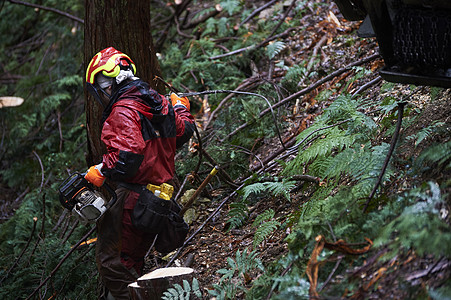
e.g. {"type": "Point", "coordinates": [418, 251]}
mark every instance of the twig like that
{"type": "Point", "coordinates": [203, 18]}
{"type": "Point", "coordinates": [42, 170]}
{"type": "Point", "coordinates": [70, 232]}
{"type": "Point", "coordinates": [255, 12]}
{"type": "Point", "coordinates": [62, 261]}
{"type": "Point", "coordinates": [307, 89]}
{"type": "Point", "coordinates": [389, 154]}
{"type": "Point", "coordinates": [60, 130]}
{"type": "Point", "coordinates": [35, 221]}
{"type": "Point", "coordinates": [181, 188]}
{"type": "Point", "coordinates": [222, 172]}
{"type": "Point", "coordinates": [286, 32]}
{"type": "Point", "coordinates": [367, 85]}
{"type": "Point", "coordinates": [283, 18]}
{"type": "Point", "coordinates": [203, 225]}
{"type": "Point", "coordinates": [244, 93]}
{"type": "Point", "coordinates": [321, 42]}
{"type": "Point", "coordinates": [41, 233]}
{"type": "Point", "coordinates": [281, 275]}
{"type": "Point", "coordinates": [77, 19]}
{"type": "Point", "coordinates": [331, 273]}
{"type": "Point", "coordinates": [223, 101]}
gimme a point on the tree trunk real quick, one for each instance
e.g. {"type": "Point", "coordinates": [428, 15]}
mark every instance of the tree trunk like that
{"type": "Point", "coordinates": [154, 284]}
{"type": "Point", "coordinates": [124, 25]}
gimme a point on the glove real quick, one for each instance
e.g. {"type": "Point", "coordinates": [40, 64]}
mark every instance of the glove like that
{"type": "Point", "coordinates": [95, 176]}
{"type": "Point", "coordinates": [176, 100]}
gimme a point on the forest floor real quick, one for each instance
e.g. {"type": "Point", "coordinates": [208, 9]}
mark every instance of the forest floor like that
{"type": "Point", "coordinates": [335, 40]}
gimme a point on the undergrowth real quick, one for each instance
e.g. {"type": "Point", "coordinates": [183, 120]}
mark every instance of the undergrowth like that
{"type": "Point", "coordinates": [345, 148]}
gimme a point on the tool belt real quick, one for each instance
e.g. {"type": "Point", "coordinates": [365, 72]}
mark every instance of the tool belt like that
{"type": "Point", "coordinates": [156, 212]}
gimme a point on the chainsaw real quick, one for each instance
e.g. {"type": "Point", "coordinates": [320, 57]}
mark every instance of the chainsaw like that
{"type": "Point", "coordinates": [80, 197]}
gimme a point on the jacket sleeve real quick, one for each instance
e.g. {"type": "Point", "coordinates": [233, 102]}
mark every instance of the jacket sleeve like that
{"type": "Point", "coordinates": [122, 136]}
{"type": "Point", "coordinates": [184, 123]}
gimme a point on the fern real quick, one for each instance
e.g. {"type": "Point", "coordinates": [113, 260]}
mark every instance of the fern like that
{"type": "Point", "coordinates": [439, 154]}
{"type": "Point", "coordinates": [237, 214]}
{"type": "Point", "coordinates": [425, 132]}
{"type": "Point", "coordinates": [274, 49]}
{"type": "Point", "coordinates": [231, 6]}
{"type": "Point", "coordinates": [265, 216]}
{"type": "Point", "coordinates": [183, 293]}
{"type": "Point", "coordinates": [278, 188]}
{"type": "Point", "coordinates": [233, 279]}
{"type": "Point", "coordinates": [413, 227]}
{"type": "Point", "coordinates": [264, 231]}
{"type": "Point", "coordinates": [265, 225]}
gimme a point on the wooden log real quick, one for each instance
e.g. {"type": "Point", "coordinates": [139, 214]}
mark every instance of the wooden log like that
{"type": "Point", "coordinates": [152, 285]}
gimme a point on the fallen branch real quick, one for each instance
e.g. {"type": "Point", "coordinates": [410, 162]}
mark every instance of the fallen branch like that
{"type": "Point", "coordinates": [283, 34]}
{"type": "Point", "coordinates": [35, 221]}
{"type": "Point", "coordinates": [367, 85]}
{"type": "Point", "coordinates": [243, 93]}
{"type": "Point", "coordinates": [255, 12]}
{"type": "Point", "coordinates": [282, 20]}
{"type": "Point", "coordinates": [85, 237]}
{"type": "Point", "coordinates": [307, 90]}
{"type": "Point", "coordinates": [203, 18]}
{"type": "Point", "coordinates": [62, 13]}
{"type": "Point", "coordinates": [203, 225]}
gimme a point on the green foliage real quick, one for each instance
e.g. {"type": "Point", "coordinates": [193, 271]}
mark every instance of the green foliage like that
{"type": "Point", "coordinates": [274, 49]}
{"type": "Point", "coordinates": [233, 279]}
{"type": "Point", "coordinates": [265, 225]}
{"type": "Point", "coordinates": [237, 214]}
{"type": "Point", "coordinates": [439, 154]}
{"type": "Point", "coordinates": [183, 293]}
{"type": "Point", "coordinates": [426, 132]}
{"type": "Point", "coordinates": [231, 6]}
{"type": "Point", "coordinates": [420, 217]}
{"type": "Point", "coordinates": [277, 188]}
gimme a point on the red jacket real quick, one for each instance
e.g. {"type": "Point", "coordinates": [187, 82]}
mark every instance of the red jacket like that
{"type": "Point", "coordinates": [142, 132]}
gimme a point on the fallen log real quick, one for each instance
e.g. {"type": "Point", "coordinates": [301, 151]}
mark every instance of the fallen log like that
{"type": "Point", "coordinates": [152, 285]}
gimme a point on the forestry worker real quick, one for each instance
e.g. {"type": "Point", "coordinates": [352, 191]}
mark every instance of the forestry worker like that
{"type": "Point", "coordinates": [141, 130]}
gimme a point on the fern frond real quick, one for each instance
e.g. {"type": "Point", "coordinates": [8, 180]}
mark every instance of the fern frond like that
{"type": "Point", "coordinates": [265, 216]}
{"type": "Point", "coordinates": [425, 132]}
{"type": "Point", "coordinates": [275, 48]}
{"type": "Point", "coordinates": [237, 214]}
{"type": "Point", "coordinates": [264, 231]}
{"type": "Point", "coordinates": [254, 188]}
{"type": "Point", "coordinates": [280, 188]}
{"type": "Point", "coordinates": [439, 154]}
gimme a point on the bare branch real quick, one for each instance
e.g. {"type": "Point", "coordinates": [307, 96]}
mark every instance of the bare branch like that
{"type": "Point", "coordinates": [62, 13]}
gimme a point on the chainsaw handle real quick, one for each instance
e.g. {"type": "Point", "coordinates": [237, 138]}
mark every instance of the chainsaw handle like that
{"type": "Point", "coordinates": [112, 193]}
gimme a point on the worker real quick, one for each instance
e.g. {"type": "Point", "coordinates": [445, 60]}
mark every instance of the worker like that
{"type": "Point", "coordinates": [141, 131]}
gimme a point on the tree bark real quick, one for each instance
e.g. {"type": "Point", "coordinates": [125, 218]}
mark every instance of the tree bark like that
{"type": "Point", "coordinates": [154, 284]}
{"type": "Point", "coordinates": [124, 25]}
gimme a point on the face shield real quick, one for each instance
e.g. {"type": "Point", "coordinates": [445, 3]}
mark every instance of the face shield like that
{"type": "Point", "coordinates": [100, 84]}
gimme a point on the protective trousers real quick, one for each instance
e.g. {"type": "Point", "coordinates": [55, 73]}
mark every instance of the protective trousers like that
{"type": "Point", "coordinates": [115, 275]}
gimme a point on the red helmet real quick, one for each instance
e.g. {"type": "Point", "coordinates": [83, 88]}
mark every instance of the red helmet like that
{"type": "Point", "coordinates": [108, 62]}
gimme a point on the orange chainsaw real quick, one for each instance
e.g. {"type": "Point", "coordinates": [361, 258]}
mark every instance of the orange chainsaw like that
{"type": "Point", "coordinates": [79, 196]}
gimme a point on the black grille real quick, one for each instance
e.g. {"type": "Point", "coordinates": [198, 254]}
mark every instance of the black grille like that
{"type": "Point", "coordinates": [422, 38]}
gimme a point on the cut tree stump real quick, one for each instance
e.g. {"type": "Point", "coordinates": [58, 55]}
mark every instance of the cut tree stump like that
{"type": "Point", "coordinates": [154, 284]}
